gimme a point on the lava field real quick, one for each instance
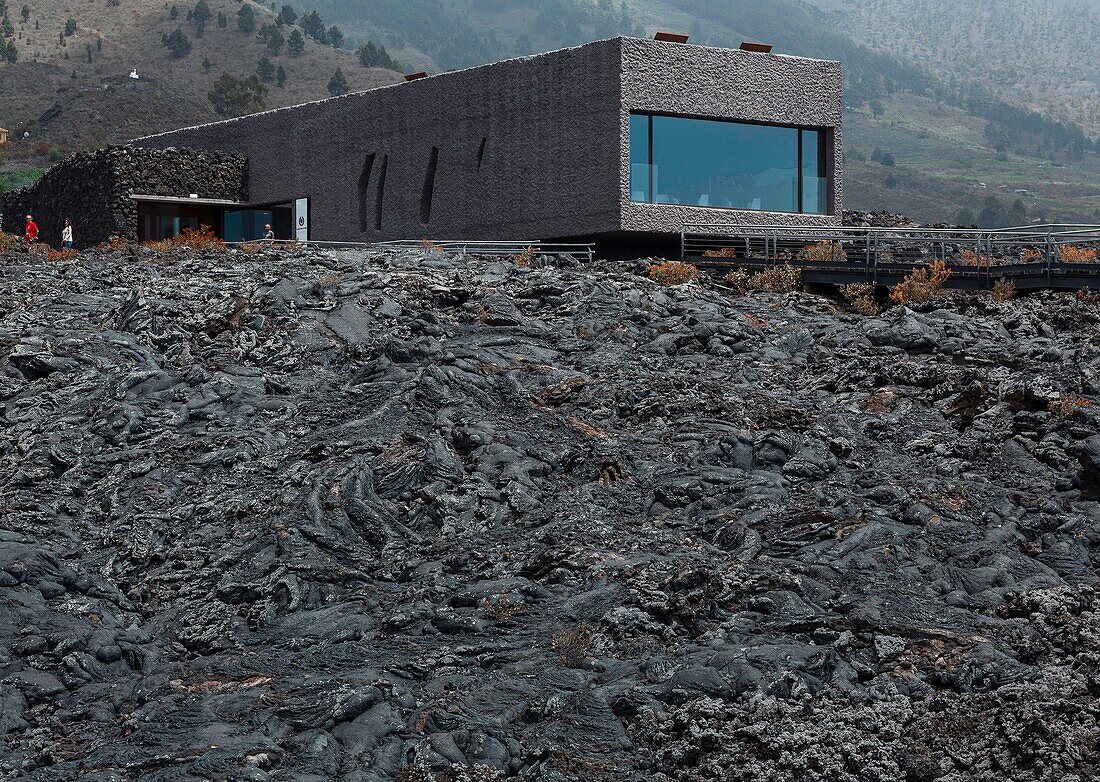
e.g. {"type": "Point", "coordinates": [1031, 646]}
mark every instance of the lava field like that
{"type": "Point", "coordinates": [364, 516]}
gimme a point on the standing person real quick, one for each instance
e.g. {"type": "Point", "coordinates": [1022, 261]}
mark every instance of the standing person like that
{"type": "Point", "coordinates": [269, 235]}
{"type": "Point", "coordinates": [30, 236]}
{"type": "Point", "coordinates": [67, 235]}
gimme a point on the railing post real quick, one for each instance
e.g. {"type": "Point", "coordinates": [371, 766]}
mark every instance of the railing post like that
{"type": "Point", "coordinates": [683, 244]}
{"type": "Point", "coordinates": [1050, 258]}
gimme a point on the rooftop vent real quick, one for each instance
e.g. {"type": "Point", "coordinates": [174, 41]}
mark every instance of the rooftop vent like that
{"type": "Point", "coordinates": [415, 76]}
{"type": "Point", "coordinates": [749, 46]}
{"type": "Point", "coordinates": [671, 38]}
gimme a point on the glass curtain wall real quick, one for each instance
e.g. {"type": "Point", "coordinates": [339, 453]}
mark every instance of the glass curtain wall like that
{"type": "Point", "coordinates": [730, 165]}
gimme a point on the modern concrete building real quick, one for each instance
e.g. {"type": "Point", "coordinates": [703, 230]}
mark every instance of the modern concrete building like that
{"type": "Point", "coordinates": [617, 141]}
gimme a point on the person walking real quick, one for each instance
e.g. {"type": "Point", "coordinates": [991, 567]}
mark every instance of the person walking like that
{"type": "Point", "coordinates": [269, 235]}
{"type": "Point", "coordinates": [30, 234]}
{"type": "Point", "coordinates": [67, 235]}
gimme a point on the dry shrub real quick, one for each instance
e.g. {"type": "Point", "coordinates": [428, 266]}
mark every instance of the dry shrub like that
{"type": "Point", "coordinates": [971, 258]}
{"type": "Point", "coordinates": [1086, 296]}
{"type": "Point", "coordinates": [202, 239]}
{"type": "Point", "coordinates": [921, 285]}
{"type": "Point", "coordinates": [114, 243]}
{"type": "Point", "coordinates": [501, 608]}
{"type": "Point", "coordinates": [252, 247]}
{"type": "Point", "coordinates": [60, 255]}
{"type": "Point", "coordinates": [1067, 404]}
{"type": "Point", "coordinates": [1071, 254]}
{"type": "Point", "coordinates": [572, 646]}
{"type": "Point", "coordinates": [860, 297]}
{"type": "Point", "coordinates": [776, 279]}
{"type": "Point", "coordinates": [738, 280]}
{"type": "Point", "coordinates": [724, 252]}
{"type": "Point", "coordinates": [9, 243]}
{"type": "Point", "coordinates": [827, 250]}
{"type": "Point", "coordinates": [328, 281]}
{"type": "Point", "coordinates": [883, 400]}
{"type": "Point", "coordinates": [673, 273]}
{"type": "Point", "coordinates": [525, 258]}
{"type": "Point", "coordinates": [1003, 290]}
{"type": "Point", "coordinates": [1031, 255]}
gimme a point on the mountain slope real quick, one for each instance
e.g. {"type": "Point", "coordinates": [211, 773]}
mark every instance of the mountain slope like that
{"type": "Point", "coordinates": [1044, 53]}
{"type": "Point", "coordinates": [72, 91]}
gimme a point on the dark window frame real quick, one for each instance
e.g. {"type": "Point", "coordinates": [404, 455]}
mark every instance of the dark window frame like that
{"type": "Point", "coordinates": [824, 136]}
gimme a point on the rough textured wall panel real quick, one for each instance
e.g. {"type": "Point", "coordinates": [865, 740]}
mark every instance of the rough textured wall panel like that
{"type": "Point", "coordinates": [93, 190]}
{"type": "Point", "coordinates": [668, 78]}
{"type": "Point", "coordinates": [527, 148]}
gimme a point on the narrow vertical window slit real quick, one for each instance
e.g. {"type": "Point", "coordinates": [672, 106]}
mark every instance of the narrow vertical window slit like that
{"type": "Point", "coordinates": [429, 188]}
{"type": "Point", "coordinates": [381, 192]}
{"type": "Point", "coordinates": [364, 186]}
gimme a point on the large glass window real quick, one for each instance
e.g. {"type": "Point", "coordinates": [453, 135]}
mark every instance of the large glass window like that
{"type": "Point", "coordinates": [731, 165]}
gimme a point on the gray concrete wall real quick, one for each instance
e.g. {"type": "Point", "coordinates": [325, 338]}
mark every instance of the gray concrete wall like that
{"type": "Point", "coordinates": [700, 81]}
{"type": "Point", "coordinates": [549, 165]}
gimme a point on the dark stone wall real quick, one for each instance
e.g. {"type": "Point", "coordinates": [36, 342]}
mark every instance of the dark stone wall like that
{"type": "Point", "coordinates": [93, 190]}
{"type": "Point", "coordinates": [523, 149]}
{"type": "Point", "coordinates": [531, 148]}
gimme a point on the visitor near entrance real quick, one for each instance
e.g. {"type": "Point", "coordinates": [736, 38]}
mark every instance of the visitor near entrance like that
{"type": "Point", "coordinates": [269, 235]}
{"type": "Point", "coordinates": [30, 235]}
{"type": "Point", "coordinates": [67, 235]}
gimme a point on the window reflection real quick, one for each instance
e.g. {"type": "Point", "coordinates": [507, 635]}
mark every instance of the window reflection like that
{"type": "Point", "coordinates": [714, 163]}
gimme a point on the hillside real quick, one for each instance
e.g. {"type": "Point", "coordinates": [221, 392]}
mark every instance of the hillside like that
{"type": "Point", "coordinates": [1044, 53]}
{"type": "Point", "coordinates": [368, 516]}
{"type": "Point", "coordinates": [74, 91]}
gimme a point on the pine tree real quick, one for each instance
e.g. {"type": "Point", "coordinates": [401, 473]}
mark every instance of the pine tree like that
{"type": "Point", "coordinates": [336, 37]}
{"type": "Point", "coordinates": [338, 84]}
{"type": "Point", "coordinates": [295, 44]}
{"type": "Point", "coordinates": [246, 19]}
{"type": "Point", "coordinates": [280, 76]}
{"type": "Point", "coordinates": [177, 43]}
{"type": "Point", "coordinates": [265, 69]}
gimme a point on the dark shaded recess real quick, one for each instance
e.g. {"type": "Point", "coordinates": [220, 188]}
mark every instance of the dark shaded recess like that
{"type": "Point", "coordinates": [429, 188]}
{"type": "Point", "coordinates": [381, 192]}
{"type": "Point", "coordinates": [364, 186]}
{"type": "Point", "coordinates": [480, 154]}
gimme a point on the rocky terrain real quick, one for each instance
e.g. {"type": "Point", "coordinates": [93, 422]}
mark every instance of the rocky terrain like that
{"type": "Point", "coordinates": [362, 516]}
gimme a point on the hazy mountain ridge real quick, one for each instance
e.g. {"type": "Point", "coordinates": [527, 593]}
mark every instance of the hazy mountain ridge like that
{"type": "Point", "coordinates": [1044, 53]}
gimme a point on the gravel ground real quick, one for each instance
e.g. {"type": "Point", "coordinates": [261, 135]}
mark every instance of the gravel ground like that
{"type": "Point", "coordinates": [314, 516]}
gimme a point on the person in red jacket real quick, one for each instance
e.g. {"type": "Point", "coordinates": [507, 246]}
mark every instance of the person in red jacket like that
{"type": "Point", "coordinates": [31, 234]}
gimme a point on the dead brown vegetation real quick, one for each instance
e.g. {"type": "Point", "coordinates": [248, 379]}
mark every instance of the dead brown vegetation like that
{"type": "Point", "coordinates": [1003, 290]}
{"type": "Point", "coordinates": [921, 285]}
{"type": "Point", "coordinates": [860, 297]}
{"type": "Point", "coordinates": [673, 273]}
{"type": "Point", "coordinates": [202, 238]}
{"type": "Point", "coordinates": [826, 251]}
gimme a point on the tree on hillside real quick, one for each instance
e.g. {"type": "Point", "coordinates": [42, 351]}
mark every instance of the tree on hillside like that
{"type": "Point", "coordinates": [295, 44]}
{"type": "Point", "coordinates": [177, 43]}
{"type": "Point", "coordinates": [206, 64]}
{"type": "Point", "coordinates": [199, 16]}
{"type": "Point", "coordinates": [246, 19]}
{"type": "Point", "coordinates": [888, 160]}
{"type": "Point", "coordinates": [25, 14]}
{"type": "Point", "coordinates": [223, 20]}
{"type": "Point", "coordinates": [232, 97]}
{"type": "Point", "coordinates": [8, 52]}
{"type": "Point", "coordinates": [265, 69]}
{"type": "Point", "coordinates": [371, 56]}
{"type": "Point", "coordinates": [70, 26]}
{"type": "Point", "coordinates": [313, 25]}
{"type": "Point", "coordinates": [280, 76]}
{"type": "Point", "coordinates": [287, 15]}
{"type": "Point", "coordinates": [338, 84]}
{"type": "Point", "coordinates": [336, 37]}
{"type": "Point", "coordinates": [273, 36]}
{"type": "Point", "coordinates": [173, 12]}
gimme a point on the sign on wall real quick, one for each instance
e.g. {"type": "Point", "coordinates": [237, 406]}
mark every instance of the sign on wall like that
{"type": "Point", "coordinates": [301, 219]}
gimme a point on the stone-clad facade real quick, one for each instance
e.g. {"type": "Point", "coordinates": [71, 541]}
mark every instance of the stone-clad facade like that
{"type": "Point", "coordinates": [531, 148]}
{"type": "Point", "coordinates": [94, 190]}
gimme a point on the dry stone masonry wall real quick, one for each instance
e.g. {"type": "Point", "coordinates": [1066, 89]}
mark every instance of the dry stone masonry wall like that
{"type": "Point", "coordinates": [93, 190]}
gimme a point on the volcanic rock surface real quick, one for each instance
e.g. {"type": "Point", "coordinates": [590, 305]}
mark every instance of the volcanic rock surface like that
{"type": "Point", "coordinates": [362, 516]}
